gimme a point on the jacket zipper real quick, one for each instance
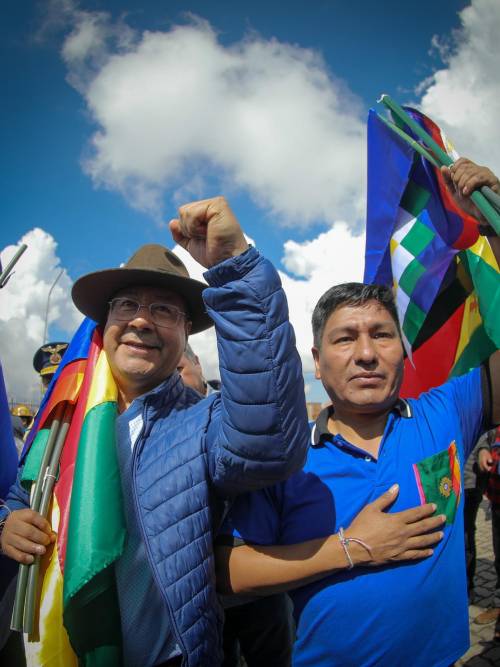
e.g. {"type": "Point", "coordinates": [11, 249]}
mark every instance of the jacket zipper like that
{"type": "Point", "coordinates": [138, 445]}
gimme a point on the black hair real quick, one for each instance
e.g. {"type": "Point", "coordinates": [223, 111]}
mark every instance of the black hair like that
{"type": "Point", "coordinates": [350, 294]}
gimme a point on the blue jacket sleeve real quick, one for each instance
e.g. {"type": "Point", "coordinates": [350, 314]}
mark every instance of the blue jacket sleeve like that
{"type": "Point", "coordinates": [17, 498]}
{"type": "Point", "coordinates": [258, 434]}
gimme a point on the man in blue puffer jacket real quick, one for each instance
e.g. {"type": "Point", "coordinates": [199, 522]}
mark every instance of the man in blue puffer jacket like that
{"type": "Point", "coordinates": [182, 458]}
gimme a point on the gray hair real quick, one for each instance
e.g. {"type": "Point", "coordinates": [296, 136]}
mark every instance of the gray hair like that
{"type": "Point", "coordinates": [188, 351]}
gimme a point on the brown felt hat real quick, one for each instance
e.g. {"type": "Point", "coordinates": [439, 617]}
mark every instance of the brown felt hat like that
{"type": "Point", "coordinates": [152, 265]}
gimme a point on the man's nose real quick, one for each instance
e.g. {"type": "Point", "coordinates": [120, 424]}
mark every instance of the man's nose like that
{"type": "Point", "coordinates": [142, 319]}
{"type": "Point", "coordinates": [365, 351]}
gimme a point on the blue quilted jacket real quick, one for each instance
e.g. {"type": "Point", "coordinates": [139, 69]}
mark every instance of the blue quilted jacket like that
{"type": "Point", "coordinates": [193, 454]}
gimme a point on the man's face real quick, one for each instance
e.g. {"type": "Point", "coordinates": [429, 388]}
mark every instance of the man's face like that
{"type": "Point", "coordinates": [360, 361]}
{"type": "Point", "coordinates": [142, 354]}
{"type": "Point", "coordinates": [192, 373]}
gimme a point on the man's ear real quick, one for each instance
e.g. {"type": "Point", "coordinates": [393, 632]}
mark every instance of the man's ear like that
{"type": "Point", "coordinates": [187, 329]}
{"type": "Point", "coordinates": [315, 354]}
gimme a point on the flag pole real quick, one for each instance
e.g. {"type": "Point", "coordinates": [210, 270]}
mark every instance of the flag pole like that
{"type": "Point", "coordinates": [48, 482]}
{"type": "Point", "coordinates": [491, 196]}
{"type": "Point", "coordinates": [414, 144]}
{"type": "Point", "coordinates": [22, 578]}
{"type": "Point", "coordinates": [399, 112]}
{"type": "Point", "coordinates": [487, 209]}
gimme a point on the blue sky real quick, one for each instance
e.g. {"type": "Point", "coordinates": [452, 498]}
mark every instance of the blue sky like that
{"type": "Point", "coordinates": [318, 66]}
{"type": "Point", "coordinates": [46, 126]}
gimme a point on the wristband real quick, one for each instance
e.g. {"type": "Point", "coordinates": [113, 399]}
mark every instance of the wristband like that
{"type": "Point", "coordinates": [345, 546]}
{"type": "Point", "coordinates": [344, 541]}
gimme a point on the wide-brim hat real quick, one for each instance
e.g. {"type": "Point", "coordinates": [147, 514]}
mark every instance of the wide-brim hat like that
{"type": "Point", "coordinates": [150, 266]}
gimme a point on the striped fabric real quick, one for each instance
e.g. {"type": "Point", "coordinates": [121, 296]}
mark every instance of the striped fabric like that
{"type": "Point", "coordinates": [78, 620]}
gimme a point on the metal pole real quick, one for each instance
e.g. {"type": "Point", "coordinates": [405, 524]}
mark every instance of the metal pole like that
{"type": "Point", "coordinates": [48, 305]}
{"type": "Point", "coordinates": [5, 275]}
{"type": "Point", "coordinates": [486, 208]}
{"type": "Point", "coordinates": [22, 578]}
{"type": "Point", "coordinates": [49, 480]}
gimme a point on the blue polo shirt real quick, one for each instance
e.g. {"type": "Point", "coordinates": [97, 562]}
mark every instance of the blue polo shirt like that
{"type": "Point", "coordinates": [401, 614]}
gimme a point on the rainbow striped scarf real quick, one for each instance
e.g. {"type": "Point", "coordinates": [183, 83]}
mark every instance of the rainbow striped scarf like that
{"type": "Point", "coordinates": [78, 616]}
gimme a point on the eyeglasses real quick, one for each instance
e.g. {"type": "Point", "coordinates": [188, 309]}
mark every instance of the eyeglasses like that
{"type": "Point", "coordinates": [162, 314]}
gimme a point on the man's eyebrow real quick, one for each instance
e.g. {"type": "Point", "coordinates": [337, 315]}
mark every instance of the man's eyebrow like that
{"type": "Point", "coordinates": [346, 328]}
{"type": "Point", "coordinates": [383, 324]}
{"type": "Point", "coordinates": [353, 328]}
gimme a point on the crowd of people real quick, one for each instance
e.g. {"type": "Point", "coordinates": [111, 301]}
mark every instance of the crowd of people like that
{"type": "Point", "coordinates": [250, 533]}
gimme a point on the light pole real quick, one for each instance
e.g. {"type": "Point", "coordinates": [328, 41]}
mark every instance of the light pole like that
{"type": "Point", "coordinates": [48, 305]}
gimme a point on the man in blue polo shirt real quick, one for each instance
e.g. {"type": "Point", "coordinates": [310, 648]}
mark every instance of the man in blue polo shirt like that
{"type": "Point", "coordinates": [354, 605]}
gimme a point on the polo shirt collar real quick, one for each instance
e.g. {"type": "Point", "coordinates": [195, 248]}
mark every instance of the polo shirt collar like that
{"type": "Point", "coordinates": [320, 428]}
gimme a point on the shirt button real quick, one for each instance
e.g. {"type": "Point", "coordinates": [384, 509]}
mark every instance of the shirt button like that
{"type": "Point", "coordinates": [368, 458]}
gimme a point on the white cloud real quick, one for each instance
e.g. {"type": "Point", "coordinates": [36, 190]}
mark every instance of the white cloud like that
{"type": "Point", "coordinates": [333, 257]}
{"type": "Point", "coordinates": [312, 267]}
{"type": "Point", "coordinates": [176, 109]}
{"type": "Point", "coordinates": [204, 344]}
{"type": "Point", "coordinates": [263, 116]}
{"type": "Point", "coordinates": [464, 96]}
{"type": "Point", "coordinates": [22, 317]}
{"type": "Point", "coordinates": [89, 37]}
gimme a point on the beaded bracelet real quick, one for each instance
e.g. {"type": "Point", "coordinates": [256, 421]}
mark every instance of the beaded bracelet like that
{"type": "Point", "coordinates": [344, 541]}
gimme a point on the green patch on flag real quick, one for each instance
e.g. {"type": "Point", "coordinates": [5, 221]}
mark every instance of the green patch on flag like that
{"type": "Point", "coordinates": [414, 318]}
{"type": "Point", "coordinates": [418, 238]}
{"type": "Point", "coordinates": [414, 198]}
{"type": "Point", "coordinates": [410, 276]}
{"type": "Point", "coordinates": [34, 459]}
{"type": "Point", "coordinates": [479, 347]}
{"type": "Point", "coordinates": [438, 481]}
{"type": "Point", "coordinates": [96, 536]}
{"type": "Point", "coordinates": [486, 280]}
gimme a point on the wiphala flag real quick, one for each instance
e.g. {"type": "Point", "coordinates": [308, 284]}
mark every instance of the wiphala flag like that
{"type": "Point", "coordinates": [444, 274]}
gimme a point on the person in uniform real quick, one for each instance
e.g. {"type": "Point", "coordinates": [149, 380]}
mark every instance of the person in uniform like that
{"type": "Point", "coordinates": [46, 360]}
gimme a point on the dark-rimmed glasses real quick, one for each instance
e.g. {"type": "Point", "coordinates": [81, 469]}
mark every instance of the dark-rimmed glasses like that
{"type": "Point", "coordinates": [162, 314]}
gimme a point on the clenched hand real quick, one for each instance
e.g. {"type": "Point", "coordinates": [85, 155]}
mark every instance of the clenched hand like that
{"type": "Point", "coordinates": [209, 231]}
